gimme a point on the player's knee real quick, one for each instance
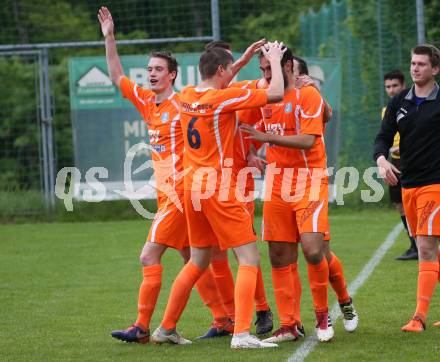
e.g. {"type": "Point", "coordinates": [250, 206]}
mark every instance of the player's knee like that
{"type": "Point", "coordinates": [426, 252]}
{"type": "Point", "coordinates": [247, 254]}
{"type": "Point", "coordinates": [313, 256]}
{"type": "Point", "coordinates": [201, 263]}
{"type": "Point", "coordinates": [278, 259]}
{"type": "Point", "coordinates": [249, 259]}
{"type": "Point", "coordinates": [150, 258]}
{"type": "Point", "coordinates": [201, 257]}
{"type": "Point", "coordinates": [147, 260]}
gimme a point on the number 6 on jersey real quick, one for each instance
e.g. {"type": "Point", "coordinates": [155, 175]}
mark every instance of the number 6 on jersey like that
{"type": "Point", "coordinates": [193, 135]}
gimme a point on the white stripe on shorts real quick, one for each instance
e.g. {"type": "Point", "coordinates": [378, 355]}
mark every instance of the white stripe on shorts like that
{"type": "Point", "coordinates": [315, 217]}
{"type": "Point", "coordinates": [431, 219]}
{"type": "Point", "coordinates": [156, 224]}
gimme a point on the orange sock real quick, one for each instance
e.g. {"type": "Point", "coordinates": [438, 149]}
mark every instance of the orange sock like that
{"type": "Point", "coordinates": [260, 293]}
{"type": "Point", "coordinates": [225, 284]}
{"type": "Point", "coordinates": [428, 276]}
{"type": "Point", "coordinates": [244, 297]}
{"type": "Point", "coordinates": [179, 294]}
{"type": "Point", "coordinates": [337, 280]}
{"type": "Point", "coordinates": [297, 291]}
{"type": "Point", "coordinates": [318, 278]}
{"type": "Point", "coordinates": [148, 294]}
{"type": "Point", "coordinates": [283, 286]}
{"type": "Point", "coordinates": [210, 296]}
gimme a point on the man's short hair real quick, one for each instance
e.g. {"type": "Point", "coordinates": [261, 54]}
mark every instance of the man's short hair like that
{"type": "Point", "coordinates": [395, 74]}
{"type": "Point", "coordinates": [211, 59]}
{"type": "Point", "coordinates": [430, 50]}
{"type": "Point", "coordinates": [302, 65]}
{"type": "Point", "coordinates": [218, 44]}
{"type": "Point", "coordinates": [171, 61]}
{"type": "Point", "coordinates": [288, 55]}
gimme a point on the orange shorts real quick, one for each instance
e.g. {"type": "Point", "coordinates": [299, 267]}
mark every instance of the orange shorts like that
{"type": "Point", "coordinates": [249, 189]}
{"type": "Point", "coordinates": [169, 226]}
{"type": "Point", "coordinates": [284, 221]}
{"type": "Point", "coordinates": [227, 224]}
{"type": "Point", "coordinates": [422, 209]}
{"type": "Point", "coordinates": [250, 207]}
{"type": "Point", "coordinates": [326, 237]}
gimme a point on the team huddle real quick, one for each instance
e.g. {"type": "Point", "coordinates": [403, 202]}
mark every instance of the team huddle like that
{"type": "Point", "coordinates": [206, 141]}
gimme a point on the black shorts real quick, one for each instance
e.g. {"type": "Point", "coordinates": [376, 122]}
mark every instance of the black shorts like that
{"type": "Point", "coordinates": [396, 191]}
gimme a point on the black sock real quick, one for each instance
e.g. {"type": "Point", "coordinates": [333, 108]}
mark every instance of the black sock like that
{"type": "Point", "coordinates": [411, 239]}
{"type": "Point", "coordinates": [413, 243]}
{"type": "Point", "coordinates": [404, 222]}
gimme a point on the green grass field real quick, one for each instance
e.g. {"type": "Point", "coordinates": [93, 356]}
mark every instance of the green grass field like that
{"type": "Point", "coordinates": [65, 286]}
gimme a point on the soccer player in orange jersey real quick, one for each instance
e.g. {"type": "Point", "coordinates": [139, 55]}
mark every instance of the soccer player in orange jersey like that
{"type": "Point", "coordinates": [159, 107]}
{"type": "Point", "coordinates": [296, 164]}
{"type": "Point", "coordinates": [214, 215]}
{"type": "Point", "coordinates": [219, 258]}
{"type": "Point", "coordinates": [414, 113]}
{"type": "Point", "coordinates": [336, 275]}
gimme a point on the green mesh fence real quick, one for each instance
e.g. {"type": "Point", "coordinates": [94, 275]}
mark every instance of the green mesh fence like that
{"type": "Point", "coordinates": [370, 38]}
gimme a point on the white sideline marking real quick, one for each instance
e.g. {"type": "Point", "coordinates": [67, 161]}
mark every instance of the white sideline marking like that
{"type": "Point", "coordinates": [311, 341]}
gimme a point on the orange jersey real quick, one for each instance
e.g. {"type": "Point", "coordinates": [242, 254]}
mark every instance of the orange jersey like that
{"type": "Point", "coordinates": [245, 84]}
{"type": "Point", "coordinates": [241, 144]}
{"type": "Point", "coordinates": [300, 112]}
{"type": "Point", "coordinates": [164, 131]}
{"type": "Point", "coordinates": [251, 115]}
{"type": "Point", "coordinates": [209, 123]}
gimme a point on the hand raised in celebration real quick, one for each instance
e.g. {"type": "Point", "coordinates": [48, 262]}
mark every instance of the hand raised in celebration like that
{"type": "Point", "coordinates": [252, 49]}
{"type": "Point", "coordinates": [273, 51]}
{"type": "Point", "coordinates": [106, 21]}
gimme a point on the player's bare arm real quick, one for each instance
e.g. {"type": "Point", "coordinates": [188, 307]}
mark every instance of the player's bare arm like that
{"type": "Point", "coordinates": [387, 170]}
{"type": "Point", "coordinates": [302, 141]}
{"type": "Point", "coordinates": [274, 53]}
{"type": "Point", "coordinates": [247, 56]}
{"type": "Point", "coordinates": [113, 62]}
{"type": "Point", "coordinates": [262, 84]}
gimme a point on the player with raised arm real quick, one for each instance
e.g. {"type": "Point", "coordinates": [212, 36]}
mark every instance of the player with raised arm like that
{"type": "Point", "coordinates": [213, 213]}
{"type": "Point", "coordinates": [219, 258]}
{"type": "Point", "coordinates": [336, 273]}
{"type": "Point", "coordinates": [414, 113]}
{"type": "Point", "coordinates": [297, 164]}
{"type": "Point", "coordinates": [159, 107]}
